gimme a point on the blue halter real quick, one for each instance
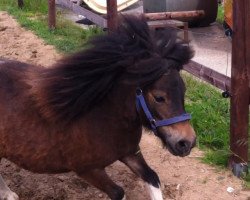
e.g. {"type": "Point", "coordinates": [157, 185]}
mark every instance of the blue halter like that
{"type": "Point", "coordinates": [141, 104]}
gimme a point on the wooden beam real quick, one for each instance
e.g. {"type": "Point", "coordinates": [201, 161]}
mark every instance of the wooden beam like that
{"type": "Point", "coordinates": [247, 28]}
{"type": "Point", "coordinates": [240, 87]}
{"type": "Point", "coordinates": [95, 18]}
{"type": "Point", "coordinates": [175, 15]}
{"type": "Point", "coordinates": [52, 14]}
{"type": "Point", "coordinates": [211, 76]}
{"type": "Point", "coordinates": [112, 15]}
{"type": "Point", "coordinates": [20, 3]}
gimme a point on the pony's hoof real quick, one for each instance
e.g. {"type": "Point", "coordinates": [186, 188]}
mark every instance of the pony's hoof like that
{"type": "Point", "coordinates": [124, 198]}
{"type": "Point", "coordinates": [9, 196]}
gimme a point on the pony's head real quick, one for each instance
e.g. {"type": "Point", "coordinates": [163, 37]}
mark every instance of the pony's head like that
{"type": "Point", "coordinates": [165, 101]}
{"type": "Point", "coordinates": [132, 55]}
{"type": "Point", "coordinates": [156, 72]}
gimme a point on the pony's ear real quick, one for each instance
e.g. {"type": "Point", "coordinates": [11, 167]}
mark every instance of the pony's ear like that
{"type": "Point", "coordinates": [181, 54]}
{"type": "Point", "coordinates": [173, 49]}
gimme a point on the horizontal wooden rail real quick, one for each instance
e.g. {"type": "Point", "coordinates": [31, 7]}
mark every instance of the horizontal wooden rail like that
{"type": "Point", "coordinates": [174, 15]}
{"type": "Point", "coordinates": [211, 76]}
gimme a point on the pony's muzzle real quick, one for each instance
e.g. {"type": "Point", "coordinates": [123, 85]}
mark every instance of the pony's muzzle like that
{"type": "Point", "coordinates": [179, 138]}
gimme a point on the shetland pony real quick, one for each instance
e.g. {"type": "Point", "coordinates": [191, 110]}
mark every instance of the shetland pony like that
{"type": "Point", "coordinates": [87, 111]}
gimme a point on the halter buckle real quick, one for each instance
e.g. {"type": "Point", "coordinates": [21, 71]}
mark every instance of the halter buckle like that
{"type": "Point", "coordinates": [153, 122]}
{"type": "Point", "coordinates": [138, 91]}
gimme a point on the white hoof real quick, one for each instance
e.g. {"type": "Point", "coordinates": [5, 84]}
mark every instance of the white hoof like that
{"type": "Point", "coordinates": [124, 198]}
{"type": "Point", "coordinates": [155, 193]}
{"type": "Point", "coordinates": [9, 196]}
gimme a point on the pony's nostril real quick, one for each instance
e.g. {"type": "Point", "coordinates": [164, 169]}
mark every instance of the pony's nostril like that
{"type": "Point", "coordinates": [183, 146]}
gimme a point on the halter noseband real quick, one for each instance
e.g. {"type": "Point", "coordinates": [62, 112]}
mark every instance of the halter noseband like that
{"type": "Point", "coordinates": [140, 103]}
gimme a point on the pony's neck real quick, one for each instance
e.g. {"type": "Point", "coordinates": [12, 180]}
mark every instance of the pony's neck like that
{"type": "Point", "coordinates": [122, 102]}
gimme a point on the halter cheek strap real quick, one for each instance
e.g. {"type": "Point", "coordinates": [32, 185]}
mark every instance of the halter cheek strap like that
{"type": "Point", "coordinates": [141, 104]}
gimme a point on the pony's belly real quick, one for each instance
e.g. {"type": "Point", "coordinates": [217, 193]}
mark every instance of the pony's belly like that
{"type": "Point", "coordinates": [101, 157]}
{"type": "Point", "coordinates": [38, 163]}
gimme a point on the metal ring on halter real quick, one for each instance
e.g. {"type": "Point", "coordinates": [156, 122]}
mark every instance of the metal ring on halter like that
{"type": "Point", "coordinates": [153, 122]}
{"type": "Point", "coordinates": [138, 91]}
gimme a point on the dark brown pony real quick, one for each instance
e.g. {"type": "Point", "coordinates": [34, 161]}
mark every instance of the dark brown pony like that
{"type": "Point", "coordinates": [80, 115]}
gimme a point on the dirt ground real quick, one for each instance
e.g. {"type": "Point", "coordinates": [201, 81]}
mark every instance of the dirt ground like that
{"type": "Point", "coordinates": [182, 178]}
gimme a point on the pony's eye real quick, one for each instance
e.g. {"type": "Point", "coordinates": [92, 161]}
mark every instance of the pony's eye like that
{"type": "Point", "coordinates": [159, 99]}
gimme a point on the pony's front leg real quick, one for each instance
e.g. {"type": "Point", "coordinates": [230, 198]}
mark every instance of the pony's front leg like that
{"type": "Point", "coordinates": [5, 192]}
{"type": "Point", "coordinates": [100, 179]}
{"type": "Point", "coordinates": [139, 166]}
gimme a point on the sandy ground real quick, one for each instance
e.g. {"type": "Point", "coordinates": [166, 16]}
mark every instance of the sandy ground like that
{"type": "Point", "coordinates": [15, 43]}
{"type": "Point", "coordinates": [182, 178]}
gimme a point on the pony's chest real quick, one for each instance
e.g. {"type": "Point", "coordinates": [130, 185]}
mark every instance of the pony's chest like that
{"type": "Point", "coordinates": [102, 148]}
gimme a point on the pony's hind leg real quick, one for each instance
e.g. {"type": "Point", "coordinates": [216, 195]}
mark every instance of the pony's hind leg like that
{"type": "Point", "coordinates": [100, 179]}
{"type": "Point", "coordinates": [139, 166]}
{"type": "Point", "coordinates": [5, 192]}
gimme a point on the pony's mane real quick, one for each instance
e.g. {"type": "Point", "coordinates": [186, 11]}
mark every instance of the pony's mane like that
{"type": "Point", "coordinates": [81, 81]}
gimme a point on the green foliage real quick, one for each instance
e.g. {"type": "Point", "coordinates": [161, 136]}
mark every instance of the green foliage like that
{"type": "Point", "coordinates": [67, 37]}
{"type": "Point", "coordinates": [31, 6]}
{"type": "Point", "coordinates": [220, 15]}
{"type": "Point", "coordinates": [246, 177]}
{"type": "Point", "coordinates": [216, 157]}
{"type": "Point", "coordinates": [210, 118]}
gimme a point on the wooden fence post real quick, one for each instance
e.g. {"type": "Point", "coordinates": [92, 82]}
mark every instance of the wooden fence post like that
{"type": "Point", "coordinates": [52, 14]}
{"type": "Point", "coordinates": [112, 15]}
{"type": "Point", "coordinates": [20, 3]}
{"type": "Point", "coordinates": [240, 87]}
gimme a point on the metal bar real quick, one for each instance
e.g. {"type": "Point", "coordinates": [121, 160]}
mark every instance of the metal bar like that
{"type": "Point", "coordinates": [20, 3]}
{"type": "Point", "coordinates": [95, 18]}
{"type": "Point", "coordinates": [174, 15]}
{"type": "Point", "coordinates": [52, 14]}
{"type": "Point", "coordinates": [239, 88]}
{"type": "Point", "coordinates": [112, 15]}
{"type": "Point", "coordinates": [209, 75]}
{"type": "Point", "coordinates": [185, 34]}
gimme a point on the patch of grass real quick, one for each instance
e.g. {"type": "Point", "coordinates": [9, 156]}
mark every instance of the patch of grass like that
{"type": "Point", "coordinates": [247, 180]}
{"type": "Point", "coordinates": [210, 118]}
{"type": "Point", "coordinates": [216, 157]}
{"type": "Point", "coordinates": [220, 15]}
{"type": "Point", "coordinates": [67, 37]}
{"type": "Point", "coordinates": [29, 5]}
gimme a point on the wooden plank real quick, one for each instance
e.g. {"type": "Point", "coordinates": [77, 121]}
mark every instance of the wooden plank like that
{"type": "Point", "coordinates": [112, 15]}
{"type": "Point", "coordinates": [165, 23]}
{"type": "Point", "coordinates": [247, 28]}
{"type": "Point", "coordinates": [95, 18]}
{"type": "Point", "coordinates": [174, 15]}
{"type": "Point", "coordinates": [170, 23]}
{"type": "Point", "coordinates": [52, 14]}
{"type": "Point", "coordinates": [239, 86]}
{"type": "Point", "coordinates": [210, 76]}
